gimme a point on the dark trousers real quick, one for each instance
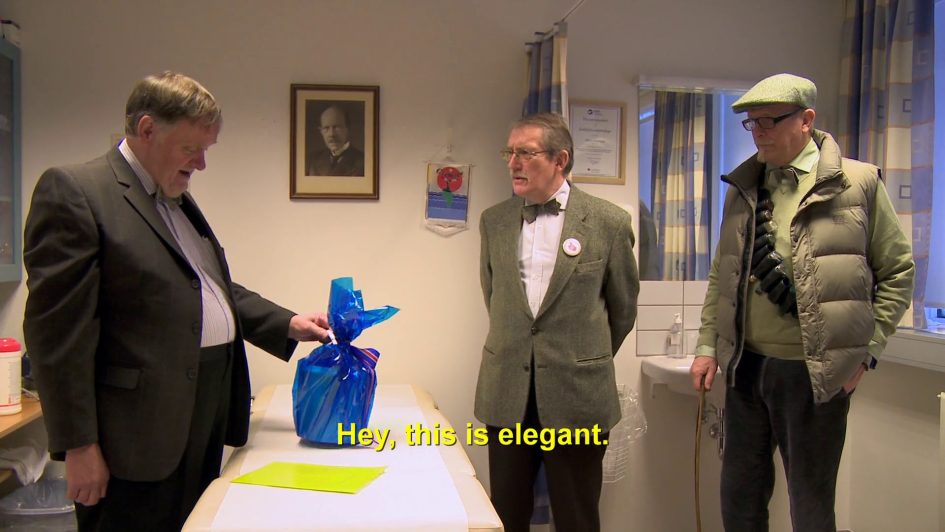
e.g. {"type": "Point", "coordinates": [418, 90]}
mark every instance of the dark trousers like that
{"type": "Point", "coordinates": [164, 505]}
{"type": "Point", "coordinates": [574, 474]}
{"type": "Point", "coordinates": [772, 405]}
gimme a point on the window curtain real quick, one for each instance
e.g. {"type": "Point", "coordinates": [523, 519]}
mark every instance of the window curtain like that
{"type": "Point", "coordinates": [887, 112]}
{"type": "Point", "coordinates": [680, 191]}
{"type": "Point", "coordinates": [546, 77]}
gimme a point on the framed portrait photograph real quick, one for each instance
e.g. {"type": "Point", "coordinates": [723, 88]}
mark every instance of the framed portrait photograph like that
{"type": "Point", "coordinates": [597, 129]}
{"type": "Point", "coordinates": [333, 141]}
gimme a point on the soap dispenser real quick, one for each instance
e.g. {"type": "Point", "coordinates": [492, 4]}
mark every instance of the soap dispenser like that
{"type": "Point", "coordinates": [675, 337]}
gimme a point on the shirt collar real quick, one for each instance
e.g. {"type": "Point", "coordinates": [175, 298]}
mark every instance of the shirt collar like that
{"type": "Point", "coordinates": [342, 150]}
{"type": "Point", "coordinates": [146, 180]}
{"type": "Point", "coordinates": [805, 161]}
{"type": "Point", "coordinates": [562, 195]}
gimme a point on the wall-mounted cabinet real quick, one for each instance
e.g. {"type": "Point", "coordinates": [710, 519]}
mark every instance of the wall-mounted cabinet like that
{"type": "Point", "coordinates": [10, 135]}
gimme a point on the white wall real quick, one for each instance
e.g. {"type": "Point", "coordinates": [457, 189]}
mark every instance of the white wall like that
{"type": "Point", "coordinates": [441, 65]}
{"type": "Point", "coordinates": [893, 447]}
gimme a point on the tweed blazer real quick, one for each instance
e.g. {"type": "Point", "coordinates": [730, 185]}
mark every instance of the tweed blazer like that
{"type": "Point", "coordinates": [113, 320]}
{"type": "Point", "coordinates": [588, 310]}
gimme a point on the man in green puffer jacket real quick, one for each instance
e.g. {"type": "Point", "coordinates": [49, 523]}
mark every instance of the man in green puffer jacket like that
{"type": "Point", "coordinates": [811, 275]}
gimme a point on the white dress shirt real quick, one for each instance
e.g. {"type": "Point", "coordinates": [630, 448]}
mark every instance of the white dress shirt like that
{"type": "Point", "coordinates": [538, 250]}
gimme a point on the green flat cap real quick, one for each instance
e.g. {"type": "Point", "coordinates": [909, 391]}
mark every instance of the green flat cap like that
{"type": "Point", "coordinates": [780, 88]}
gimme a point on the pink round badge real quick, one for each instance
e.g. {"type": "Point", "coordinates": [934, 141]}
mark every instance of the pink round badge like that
{"type": "Point", "coordinates": [571, 247]}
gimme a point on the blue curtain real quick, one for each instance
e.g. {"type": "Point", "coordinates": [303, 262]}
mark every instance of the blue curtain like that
{"type": "Point", "coordinates": [887, 112]}
{"type": "Point", "coordinates": [546, 77]}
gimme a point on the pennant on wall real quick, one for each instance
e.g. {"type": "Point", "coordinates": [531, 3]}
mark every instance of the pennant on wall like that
{"type": "Point", "coordinates": [447, 197]}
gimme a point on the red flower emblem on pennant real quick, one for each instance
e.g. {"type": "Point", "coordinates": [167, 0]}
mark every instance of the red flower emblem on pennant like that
{"type": "Point", "coordinates": [449, 178]}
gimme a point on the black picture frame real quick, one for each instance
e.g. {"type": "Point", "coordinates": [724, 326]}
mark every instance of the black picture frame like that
{"type": "Point", "coordinates": [334, 142]}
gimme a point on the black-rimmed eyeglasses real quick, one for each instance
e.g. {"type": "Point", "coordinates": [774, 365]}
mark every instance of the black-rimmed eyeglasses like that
{"type": "Point", "coordinates": [766, 122]}
{"type": "Point", "coordinates": [523, 155]}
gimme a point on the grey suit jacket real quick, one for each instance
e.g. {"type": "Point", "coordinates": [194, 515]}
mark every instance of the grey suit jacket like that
{"type": "Point", "coordinates": [588, 310]}
{"type": "Point", "coordinates": [113, 320]}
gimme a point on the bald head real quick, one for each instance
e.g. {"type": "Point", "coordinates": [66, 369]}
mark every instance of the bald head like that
{"type": "Point", "coordinates": [334, 128]}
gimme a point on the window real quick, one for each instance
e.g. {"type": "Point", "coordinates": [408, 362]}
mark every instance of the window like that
{"type": "Point", "coordinates": [689, 136]}
{"type": "Point", "coordinates": [935, 285]}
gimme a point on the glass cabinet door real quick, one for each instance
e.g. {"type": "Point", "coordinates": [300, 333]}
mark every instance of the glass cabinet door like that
{"type": "Point", "coordinates": [10, 221]}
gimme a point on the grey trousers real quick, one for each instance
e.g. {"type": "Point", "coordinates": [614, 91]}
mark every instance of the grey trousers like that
{"type": "Point", "coordinates": [772, 405]}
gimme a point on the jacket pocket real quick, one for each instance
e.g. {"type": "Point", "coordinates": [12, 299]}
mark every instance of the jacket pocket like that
{"type": "Point", "coordinates": [119, 377]}
{"type": "Point", "coordinates": [593, 266]}
{"type": "Point", "coordinates": [596, 359]}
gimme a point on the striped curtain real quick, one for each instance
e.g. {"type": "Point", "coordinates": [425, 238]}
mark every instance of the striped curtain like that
{"type": "Point", "coordinates": [546, 76]}
{"type": "Point", "coordinates": [887, 114]}
{"type": "Point", "coordinates": [680, 190]}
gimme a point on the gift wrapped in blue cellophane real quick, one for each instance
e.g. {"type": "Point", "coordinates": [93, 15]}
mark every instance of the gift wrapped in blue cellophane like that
{"type": "Point", "coordinates": [335, 383]}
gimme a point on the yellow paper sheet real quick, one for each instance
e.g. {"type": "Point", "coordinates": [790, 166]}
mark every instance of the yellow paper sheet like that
{"type": "Point", "coordinates": [338, 479]}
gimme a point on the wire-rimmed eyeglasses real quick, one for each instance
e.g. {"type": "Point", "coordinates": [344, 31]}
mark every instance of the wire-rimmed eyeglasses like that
{"type": "Point", "coordinates": [523, 155]}
{"type": "Point", "coordinates": [766, 122]}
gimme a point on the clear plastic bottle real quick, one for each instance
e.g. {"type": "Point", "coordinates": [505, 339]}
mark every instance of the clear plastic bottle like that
{"type": "Point", "coordinates": [675, 337]}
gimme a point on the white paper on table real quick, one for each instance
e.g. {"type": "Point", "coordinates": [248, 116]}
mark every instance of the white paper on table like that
{"type": "Point", "coordinates": [416, 492]}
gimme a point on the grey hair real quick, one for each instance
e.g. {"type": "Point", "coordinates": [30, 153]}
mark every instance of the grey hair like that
{"type": "Point", "coordinates": [555, 137]}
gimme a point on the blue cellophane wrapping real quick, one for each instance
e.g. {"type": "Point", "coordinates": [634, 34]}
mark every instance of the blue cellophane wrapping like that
{"type": "Point", "coordinates": [335, 383]}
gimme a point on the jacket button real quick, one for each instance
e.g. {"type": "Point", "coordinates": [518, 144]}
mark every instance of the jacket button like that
{"type": "Point", "coordinates": [195, 284]}
{"type": "Point", "coordinates": [525, 367]}
{"type": "Point", "coordinates": [195, 327]}
{"type": "Point", "coordinates": [191, 373]}
{"type": "Point", "coordinates": [534, 330]}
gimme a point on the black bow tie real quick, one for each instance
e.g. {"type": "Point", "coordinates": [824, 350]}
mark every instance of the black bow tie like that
{"type": "Point", "coordinates": [530, 212]}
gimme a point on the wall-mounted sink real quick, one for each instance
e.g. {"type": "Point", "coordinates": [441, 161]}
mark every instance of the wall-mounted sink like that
{"type": "Point", "coordinates": [674, 373]}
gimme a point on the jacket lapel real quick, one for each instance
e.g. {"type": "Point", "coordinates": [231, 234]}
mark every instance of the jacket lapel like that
{"type": "Point", "coordinates": [575, 227]}
{"type": "Point", "coordinates": [144, 204]}
{"type": "Point", "coordinates": [141, 201]}
{"type": "Point", "coordinates": [508, 234]}
{"type": "Point", "coordinates": [190, 208]}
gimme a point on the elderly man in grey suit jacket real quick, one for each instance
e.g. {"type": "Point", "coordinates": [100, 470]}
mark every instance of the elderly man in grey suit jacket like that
{"type": "Point", "coordinates": [133, 323]}
{"type": "Point", "coordinates": [560, 283]}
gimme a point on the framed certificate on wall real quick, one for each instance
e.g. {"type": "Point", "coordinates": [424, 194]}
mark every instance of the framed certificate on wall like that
{"type": "Point", "coordinates": [597, 129]}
